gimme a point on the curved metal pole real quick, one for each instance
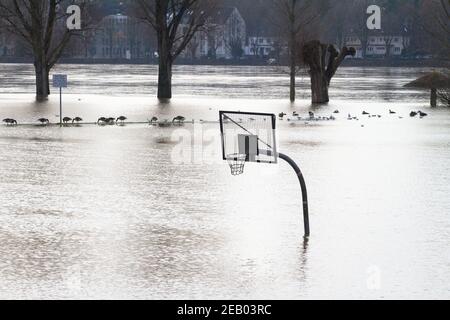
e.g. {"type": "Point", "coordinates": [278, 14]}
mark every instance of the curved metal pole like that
{"type": "Point", "coordinates": [304, 191]}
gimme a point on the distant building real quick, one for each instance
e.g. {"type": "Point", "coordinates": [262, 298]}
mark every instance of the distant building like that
{"type": "Point", "coordinates": [379, 45]}
{"type": "Point", "coordinates": [120, 37]}
{"type": "Point", "coordinates": [223, 37]}
{"type": "Point", "coordinates": [261, 46]}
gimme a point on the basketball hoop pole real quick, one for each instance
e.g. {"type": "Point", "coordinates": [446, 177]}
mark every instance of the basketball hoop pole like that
{"type": "Point", "coordinates": [304, 191]}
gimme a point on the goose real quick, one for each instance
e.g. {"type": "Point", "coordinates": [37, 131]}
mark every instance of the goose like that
{"type": "Point", "coordinates": [101, 120]}
{"type": "Point", "coordinates": [121, 119]}
{"type": "Point", "coordinates": [336, 111]}
{"type": "Point", "coordinates": [164, 124]}
{"type": "Point", "coordinates": [179, 119]}
{"type": "Point", "coordinates": [422, 114]}
{"type": "Point", "coordinates": [311, 115]}
{"type": "Point", "coordinates": [110, 121]}
{"type": "Point", "coordinates": [413, 114]}
{"type": "Point", "coordinates": [77, 120]}
{"type": "Point", "coordinates": [392, 112]}
{"type": "Point", "coordinates": [66, 120]}
{"type": "Point", "coordinates": [281, 115]}
{"type": "Point", "coordinates": [365, 113]}
{"type": "Point", "coordinates": [295, 114]}
{"type": "Point", "coordinates": [44, 121]}
{"type": "Point", "coordinates": [153, 120]}
{"type": "Point", "coordinates": [9, 121]}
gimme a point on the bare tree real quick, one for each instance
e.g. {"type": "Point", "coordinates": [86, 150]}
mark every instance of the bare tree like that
{"type": "Point", "coordinates": [175, 23]}
{"type": "Point", "coordinates": [437, 25]}
{"type": "Point", "coordinates": [323, 61]}
{"type": "Point", "coordinates": [436, 20]}
{"type": "Point", "coordinates": [292, 16]}
{"type": "Point", "coordinates": [42, 26]}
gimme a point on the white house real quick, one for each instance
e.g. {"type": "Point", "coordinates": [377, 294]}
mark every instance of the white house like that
{"type": "Point", "coordinates": [261, 46]}
{"type": "Point", "coordinates": [379, 45]}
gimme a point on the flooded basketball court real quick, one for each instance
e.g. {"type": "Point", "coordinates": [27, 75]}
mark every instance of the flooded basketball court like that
{"type": "Point", "coordinates": [111, 212]}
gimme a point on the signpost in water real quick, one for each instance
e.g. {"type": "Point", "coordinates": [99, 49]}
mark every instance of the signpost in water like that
{"type": "Point", "coordinates": [60, 81]}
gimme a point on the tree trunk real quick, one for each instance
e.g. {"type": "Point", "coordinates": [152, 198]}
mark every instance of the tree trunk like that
{"type": "Point", "coordinates": [323, 61]}
{"type": "Point", "coordinates": [165, 78]}
{"type": "Point", "coordinates": [319, 87]}
{"type": "Point", "coordinates": [42, 80]}
{"type": "Point", "coordinates": [433, 98]}
{"type": "Point", "coordinates": [292, 85]}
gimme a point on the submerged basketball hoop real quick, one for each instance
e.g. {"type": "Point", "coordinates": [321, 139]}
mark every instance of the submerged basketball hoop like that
{"type": "Point", "coordinates": [251, 137]}
{"type": "Point", "coordinates": [237, 163]}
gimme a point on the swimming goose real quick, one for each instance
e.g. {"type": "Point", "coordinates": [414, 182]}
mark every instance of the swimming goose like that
{"type": "Point", "coordinates": [179, 119]}
{"type": "Point", "coordinates": [422, 114]}
{"type": "Point", "coordinates": [101, 120]}
{"type": "Point", "coordinates": [44, 121]}
{"type": "Point", "coordinates": [9, 121]}
{"type": "Point", "coordinates": [121, 119]}
{"type": "Point", "coordinates": [153, 120]}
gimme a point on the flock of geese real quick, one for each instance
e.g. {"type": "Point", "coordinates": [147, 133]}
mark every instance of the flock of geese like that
{"type": "Point", "coordinates": [104, 121]}
{"type": "Point", "coordinates": [312, 116]}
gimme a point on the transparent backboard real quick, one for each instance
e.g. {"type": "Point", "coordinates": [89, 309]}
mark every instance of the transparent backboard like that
{"type": "Point", "coordinates": [249, 134]}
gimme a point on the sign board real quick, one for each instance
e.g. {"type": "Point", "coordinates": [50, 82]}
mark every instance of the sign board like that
{"type": "Point", "coordinates": [60, 80]}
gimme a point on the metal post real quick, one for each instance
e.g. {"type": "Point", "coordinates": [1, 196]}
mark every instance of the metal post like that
{"type": "Point", "coordinates": [304, 191]}
{"type": "Point", "coordinates": [60, 107]}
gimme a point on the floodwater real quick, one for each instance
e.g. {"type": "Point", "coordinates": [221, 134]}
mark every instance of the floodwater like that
{"type": "Point", "coordinates": [111, 213]}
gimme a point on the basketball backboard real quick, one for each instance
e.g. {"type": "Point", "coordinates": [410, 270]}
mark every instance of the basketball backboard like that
{"type": "Point", "coordinates": [248, 134]}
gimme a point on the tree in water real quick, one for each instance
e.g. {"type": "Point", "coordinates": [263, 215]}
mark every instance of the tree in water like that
{"type": "Point", "coordinates": [175, 23]}
{"type": "Point", "coordinates": [292, 17]}
{"type": "Point", "coordinates": [323, 61]}
{"type": "Point", "coordinates": [42, 27]}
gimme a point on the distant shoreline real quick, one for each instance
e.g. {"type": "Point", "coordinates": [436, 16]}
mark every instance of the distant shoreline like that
{"type": "Point", "coordinates": [432, 63]}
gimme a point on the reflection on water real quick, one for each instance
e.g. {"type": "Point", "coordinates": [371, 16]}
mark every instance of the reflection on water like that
{"type": "Point", "coordinates": [103, 212]}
